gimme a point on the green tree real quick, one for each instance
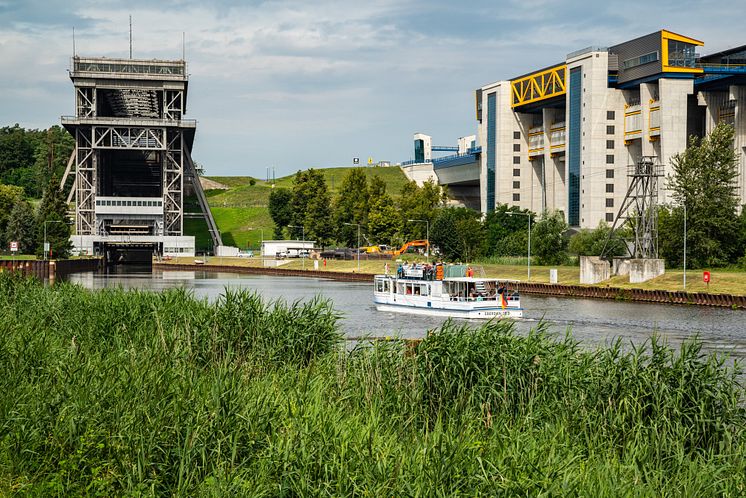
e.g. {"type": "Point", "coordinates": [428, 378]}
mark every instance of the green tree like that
{"type": "Point", "coordinates": [22, 227]}
{"type": "Point", "coordinates": [704, 180]}
{"type": "Point", "coordinates": [458, 233]}
{"type": "Point", "coordinates": [352, 206]}
{"type": "Point", "coordinates": [376, 188]}
{"type": "Point", "coordinates": [311, 208]}
{"type": "Point", "coordinates": [280, 209]}
{"type": "Point", "coordinates": [549, 243]}
{"type": "Point", "coordinates": [9, 196]}
{"type": "Point", "coordinates": [53, 211]}
{"type": "Point", "coordinates": [420, 203]}
{"type": "Point", "coordinates": [16, 148]}
{"type": "Point", "coordinates": [501, 223]}
{"type": "Point", "coordinates": [384, 221]}
{"type": "Point", "coordinates": [588, 242]}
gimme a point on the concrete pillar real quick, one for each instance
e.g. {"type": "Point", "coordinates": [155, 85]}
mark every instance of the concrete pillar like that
{"type": "Point", "coordinates": [593, 270]}
{"type": "Point", "coordinates": [642, 270]}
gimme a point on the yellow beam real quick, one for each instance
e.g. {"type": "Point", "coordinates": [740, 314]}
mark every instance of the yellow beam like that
{"type": "Point", "coordinates": [539, 86]}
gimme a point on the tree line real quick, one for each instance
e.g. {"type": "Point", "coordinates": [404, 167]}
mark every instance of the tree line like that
{"type": "Point", "coordinates": [28, 158]}
{"type": "Point", "coordinates": [27, 225]}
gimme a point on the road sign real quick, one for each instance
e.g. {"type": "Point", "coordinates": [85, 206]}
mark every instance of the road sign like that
{"type": "Point", "coordinates": [355, 160]}
{"type": "Point", "coordinates": [370, 160]}
{"type": "Point", "coordinates": [706, 277]}
{"type": "Point", "coordinates": [13, 246]}
{"type": "Point", "coordinates": [46, 247]}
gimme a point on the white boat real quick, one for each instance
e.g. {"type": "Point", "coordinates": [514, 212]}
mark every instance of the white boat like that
{"type": "Point", "coordinates": [439, 290]}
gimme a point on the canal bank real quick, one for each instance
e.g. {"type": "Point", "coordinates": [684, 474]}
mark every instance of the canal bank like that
{"type": "Point", "coordinates": [50, 269]}
{"type": "Point", "coordinates": [555, 290]}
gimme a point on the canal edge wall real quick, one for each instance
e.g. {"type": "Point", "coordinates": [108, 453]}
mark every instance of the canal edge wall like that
{"type": "Point", "coordinates": [556, 290]}
{"type": "Point", "coordinates": [50, 269]}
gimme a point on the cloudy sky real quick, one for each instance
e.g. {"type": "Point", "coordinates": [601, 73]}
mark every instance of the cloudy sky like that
{"type": "Point", "coordinates": [296, 84]}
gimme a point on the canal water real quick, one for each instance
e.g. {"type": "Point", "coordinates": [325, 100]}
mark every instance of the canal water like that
{"type": "Point", "coordinates": [594, 322]}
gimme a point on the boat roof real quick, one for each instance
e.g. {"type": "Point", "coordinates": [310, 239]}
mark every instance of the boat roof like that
{"type": "Point", "coordinates": [451, 279]}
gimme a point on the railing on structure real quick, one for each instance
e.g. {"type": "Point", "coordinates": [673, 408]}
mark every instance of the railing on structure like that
{"type": "Point", "coordinates": [721, 68]}
{"type": "Point", "coordinates": [125, 66]}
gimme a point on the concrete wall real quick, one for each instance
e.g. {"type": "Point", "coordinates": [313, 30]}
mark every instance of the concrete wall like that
{"type": "Point", "coordinates": [419, 173]}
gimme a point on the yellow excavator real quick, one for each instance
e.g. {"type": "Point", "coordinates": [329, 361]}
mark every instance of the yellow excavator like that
{"type": "Point", "coordinates": [411, 243]}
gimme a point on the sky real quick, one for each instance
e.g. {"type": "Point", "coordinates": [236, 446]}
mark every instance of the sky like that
{"type": "Point", "coordinates": [296, 84]}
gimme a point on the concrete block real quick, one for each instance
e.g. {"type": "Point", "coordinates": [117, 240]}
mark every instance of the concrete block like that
{"type": "Point", "coordinates": [228, 251]}
{"type": "Point", "coordinates": [593, 270]}
{"type": "Point", "coordinates": [642, 270]}
{"type": "Point", "coordinates": [620, 266]}
{"type": "Point", "coordinates": [553, 276]}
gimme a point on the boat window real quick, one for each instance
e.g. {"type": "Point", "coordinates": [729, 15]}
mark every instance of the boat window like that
{"type": "Point", "coordinates": [379, 285]}
{"type": "Point", "coordinates": [423, 290]}
{"type": "Point", "coordinates": [386, 285]}
{"type": "Point", "coordinates": [401, 288]}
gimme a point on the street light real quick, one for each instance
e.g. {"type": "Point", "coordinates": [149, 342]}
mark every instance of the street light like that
{"type": "Point", "coordinates": [684, 206]}
{"type": "Point", "coordinates": [427, 227]}
{"type": "Point", "coordinates": [46, 246]}
{"type": "Point", "coordinates": [511, 213]}
{"type": "Point", "coordinates": [262, 242]}
{"type": "Point", "coordinates": [303, 241]}
{"type": "Point", "coordinates": [358, 244]}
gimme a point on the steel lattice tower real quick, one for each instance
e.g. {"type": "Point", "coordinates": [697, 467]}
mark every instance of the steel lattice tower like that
{"type": "Point", "coordinates": [132, 151]}
{"type": "Point", "coordinates": [639, 210]}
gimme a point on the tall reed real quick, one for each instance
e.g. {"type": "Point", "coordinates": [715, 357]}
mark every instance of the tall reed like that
{"type": "Point", "coordinates": [135, 393]}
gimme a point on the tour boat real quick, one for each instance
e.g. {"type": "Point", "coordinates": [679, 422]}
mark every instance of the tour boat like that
{"type": "Point", "coordinates": [446, 290]}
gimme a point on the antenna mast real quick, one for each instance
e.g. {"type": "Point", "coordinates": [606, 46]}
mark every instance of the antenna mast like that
{"type": "Point", "coordinates": [130, 36]}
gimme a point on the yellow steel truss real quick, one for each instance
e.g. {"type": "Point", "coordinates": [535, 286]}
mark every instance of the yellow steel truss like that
{"type": "Point", "coordinates": [539, 86]}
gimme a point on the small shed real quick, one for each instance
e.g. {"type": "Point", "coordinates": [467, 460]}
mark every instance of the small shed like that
{"type": "Point", "coordinates": [289, 248]}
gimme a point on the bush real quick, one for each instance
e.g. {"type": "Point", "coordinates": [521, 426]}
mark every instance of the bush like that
{"type": "Point", "coordinates": [549, 243]}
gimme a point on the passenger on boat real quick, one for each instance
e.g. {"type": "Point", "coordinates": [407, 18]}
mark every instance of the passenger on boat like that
{"type": "Point", "coordinates": [469, 272]}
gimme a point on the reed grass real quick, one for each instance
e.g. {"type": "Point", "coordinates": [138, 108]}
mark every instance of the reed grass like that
{"type": "Point", "coordinates": [135, 393]}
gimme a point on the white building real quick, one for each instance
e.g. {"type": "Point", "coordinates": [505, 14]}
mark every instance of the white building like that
{"type": "Point", "coordinates": [563, 137]}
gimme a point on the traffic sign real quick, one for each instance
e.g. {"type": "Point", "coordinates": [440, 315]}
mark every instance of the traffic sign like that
{"type": "Point", "coordinates": [706, 277]}
{"type": "Point", "coordinates": [13, 246]}
{"type": "Point", "coordinates": [355, 160]}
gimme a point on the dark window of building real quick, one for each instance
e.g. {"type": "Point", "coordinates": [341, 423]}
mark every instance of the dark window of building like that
{"type": "Point", "coordinates": [609, 203]}
{"type": "Point", "coordinates": [516, 172]}
{"type": "Point", "coordinates": [609, 158]}
{"type": "Point", "coordinates": [516, 197]}
{"type": "Point", "coordinates": [516, 184]}
{"type": "Point", "coordinates": [680, 54]}
{"type": "Point", "coordinates": [639, 61]}
{"type": "Point", "coordinates": [609, 129]}
{"type": "Point", "coordinates": [610, 115]}
{"type": "Point", "coordinates": [419, 151]}
{"type": "Point", "coordinates": [609, 144]}
{"type": "Point", "coordinates": [609, 173]}
{"type": "Point", "coordinates": [609, 188]}
{"type": "Point", "coordinates": [517, 135]}
{"type": "Point", "coordinates": [516, 159]}
{"type": "Point", "coordinates": [516, 147]}
{"type": "Point", "coordinates": [575, 93]}
{"type": "Point", "coordinates": [491, 150]}
{"type": "Point", "coordinates": [610, 217]}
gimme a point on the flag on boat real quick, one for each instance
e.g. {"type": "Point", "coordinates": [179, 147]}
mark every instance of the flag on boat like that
{"type": "Point", "coordinates": [503, 302]}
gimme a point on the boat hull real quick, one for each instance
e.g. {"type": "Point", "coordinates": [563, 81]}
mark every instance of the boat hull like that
{"type": "Point", "coordinates": [471, 314]}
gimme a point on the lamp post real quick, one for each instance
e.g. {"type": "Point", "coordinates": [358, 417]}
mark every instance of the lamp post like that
{"type": "Point", "coordinates": [262, 240]}
{"type": "Point", "coordinates": [427, 228]}
{"type": "Point", "coordinates": [303, 241]}
{"type": "Point", "coordinates": [684, 206]}
{"type": "Point", "coordinates": [511, 213]}
{"type": "Point", "coordinates": [358, 244]}
{"type": "Point", "coordinates": [46, 246]}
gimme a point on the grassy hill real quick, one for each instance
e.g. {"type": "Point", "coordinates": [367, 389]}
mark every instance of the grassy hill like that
{"type": "Point", "coordinates": [241, 211]}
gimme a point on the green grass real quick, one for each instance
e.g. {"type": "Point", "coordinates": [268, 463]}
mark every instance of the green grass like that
{"type": "Point", "coordinates": [135, 393]}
